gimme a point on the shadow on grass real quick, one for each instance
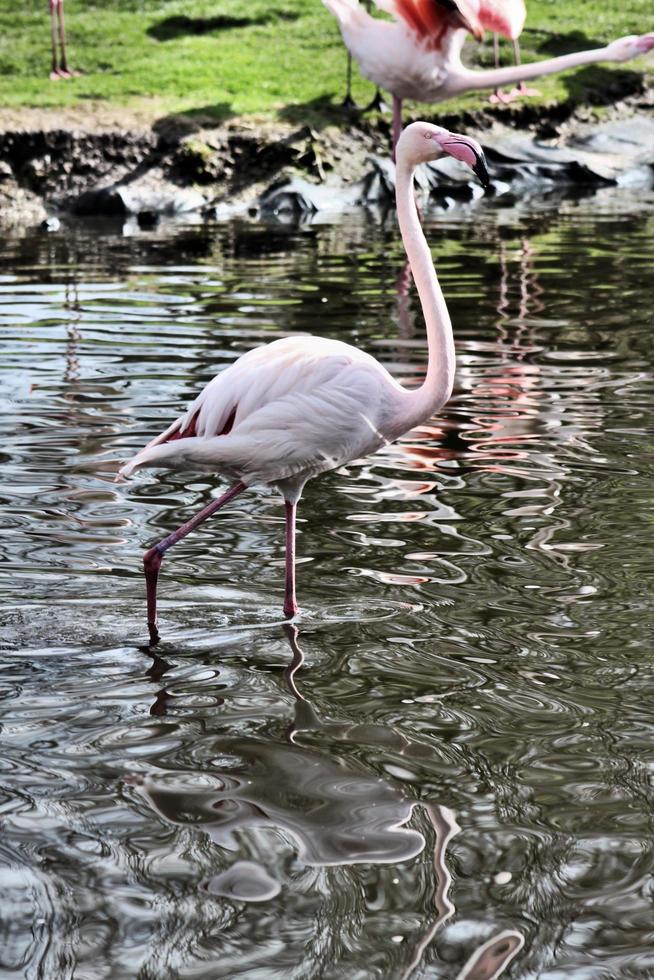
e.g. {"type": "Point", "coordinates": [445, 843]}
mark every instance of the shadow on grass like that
{"type": "Point", "coordinates": [551, 43]}
{"type": "Point", "coordinates": [180, 124]}
{"type": "Point", "coordinates": [318, 113]}
{"type": "Point", "coordinates": [176, 26]}
{"type": "Point", "coordinates": [599, 85]}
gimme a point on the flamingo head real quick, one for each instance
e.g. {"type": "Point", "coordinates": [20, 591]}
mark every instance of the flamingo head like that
{"type": "Point", "coordinates": [421, 142]}
{"type": "Point", "coordinates": [626, 48]}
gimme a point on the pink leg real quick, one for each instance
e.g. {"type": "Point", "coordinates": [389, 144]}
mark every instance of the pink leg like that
{"type": "Point", "coordinates": [291, 607]}
{"type": "Point", "coordinates": [397, 122]}
{"type": "Point", "coordinates": [498, 96]}
{"type": "Point", "coordinates": [54, 71]}
{"type": "Point", "coordinates": [152, 559]}
{"type": "Point", "coordinates": [63, 63]}
{"type": "Point", "coordinates": [522, 89]}
{"type": "Point", "coordinates": [495, 97]}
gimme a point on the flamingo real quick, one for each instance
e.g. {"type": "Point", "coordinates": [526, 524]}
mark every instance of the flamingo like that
{"type": "Point", "coordinates": [417, 55]}
{"type": "Point", "coordinates": [60, 67]}
{"type": "Point", "coordinates": [296, 407]}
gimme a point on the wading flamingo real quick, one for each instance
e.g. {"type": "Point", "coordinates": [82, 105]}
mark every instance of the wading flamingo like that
{"type": "Point", "coordinates": [299, 406]}
{"type": "Point", "coordinates": [60, 67]}
{"type": "Point", "coordinates": [417, 55]}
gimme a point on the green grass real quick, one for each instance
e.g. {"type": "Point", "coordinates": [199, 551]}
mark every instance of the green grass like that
{"type": "Point", "coordinates": [259, 56]}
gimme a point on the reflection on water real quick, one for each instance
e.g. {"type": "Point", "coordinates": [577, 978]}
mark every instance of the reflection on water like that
{"type": "Point", "coordinates": [446, 773]}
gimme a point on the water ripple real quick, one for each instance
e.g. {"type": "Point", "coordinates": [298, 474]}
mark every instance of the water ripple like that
{"type": "Point", "coordinates": [448, 769]}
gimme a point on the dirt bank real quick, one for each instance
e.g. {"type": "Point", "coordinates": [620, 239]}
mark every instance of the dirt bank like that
{"type": "Point", "coordinates": [104, 160]}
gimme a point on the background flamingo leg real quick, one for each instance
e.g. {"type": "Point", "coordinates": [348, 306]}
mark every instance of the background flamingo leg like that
{"type": "Point", "coordinates": [498, 97]}
{"type": "Point", "coordinates": [54, 71]}
{"type": "Point", "coordinates": [63, 61]}
{"type": "Point", "coordinates": [152, 559]}
{"type": "Point", "coordinates": [60, 67]}
{"type": "Point", "coordinates": [291, 607]}
{"type": "Point", "coordinates": [522, 89]}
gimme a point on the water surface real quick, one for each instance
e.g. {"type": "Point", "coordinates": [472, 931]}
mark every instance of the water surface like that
{"type": "Point", "coordinates": [445, 769]}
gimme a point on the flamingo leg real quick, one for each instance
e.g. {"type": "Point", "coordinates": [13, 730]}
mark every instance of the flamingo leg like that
{"type": "Point", "coordinates": [496, 54]}
{"type": "Point", "coordinates": [291, 607]}
{"type": "Point", "coordinates": [522, 89]}
{"type": "Point", "coordinates": [397, 121]}
{"type": "Point", "coordinates": [63, 62]}
{"type": "Point", "coordinates": [498, 97]}
{"type": "Point", "coordinates": [54, 71]}
{"type": "Point", "coordinates": [152, 559]}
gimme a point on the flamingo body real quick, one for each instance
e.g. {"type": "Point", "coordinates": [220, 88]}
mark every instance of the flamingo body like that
{"type": "Point", "coordinates": [411, 56]}
{"type": "Point", "coordinates": [283, 413]}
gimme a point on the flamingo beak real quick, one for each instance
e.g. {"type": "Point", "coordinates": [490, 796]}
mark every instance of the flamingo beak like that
{"type": "Point", "coordinates": [468, 151]}
{"type": "Point", "coordinates": [481, 170]}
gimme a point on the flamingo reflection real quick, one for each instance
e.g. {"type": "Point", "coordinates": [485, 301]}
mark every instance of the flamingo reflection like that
{"type": "Point", "coordinates": [337, 813]}
{"type": "Point", "coordinates": [505, 395]}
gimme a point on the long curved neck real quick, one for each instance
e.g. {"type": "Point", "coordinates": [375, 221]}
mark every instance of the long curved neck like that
{"type": "Point", "coordinates": [422, 402]}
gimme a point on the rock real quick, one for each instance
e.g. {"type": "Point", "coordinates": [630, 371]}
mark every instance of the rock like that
{"type": "Point", "coordinates": [19, 207]}
{"type": "Point", "coordinates": [50, 224]}
{"type": "Point", "coordinates": [149, 197]}
{"type": "Point", "coordinates": [199, 162]}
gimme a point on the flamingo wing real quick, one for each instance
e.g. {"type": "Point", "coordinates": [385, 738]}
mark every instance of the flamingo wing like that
{"type": "Point", "coordinates": [431, 20]}
{"type": "Point", "coordinates": [300, 404]}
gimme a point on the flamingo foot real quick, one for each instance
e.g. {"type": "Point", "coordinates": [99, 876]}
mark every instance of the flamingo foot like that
{"type": "Point", "coordinates": [522, 91]}
{"type": "Point", "coordinates": [348, 103]}
{"type": "Point", "coordinates": [498, 97]}
{"type": "Point", "coordinates": [63, 73]}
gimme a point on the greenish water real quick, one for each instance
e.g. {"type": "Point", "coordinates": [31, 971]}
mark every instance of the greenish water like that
{"type": "Point", "coordinates": [456, 782]}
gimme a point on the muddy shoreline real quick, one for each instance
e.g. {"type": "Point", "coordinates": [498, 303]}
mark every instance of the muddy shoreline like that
{"type": "Point", "coordinates": [54, 164]}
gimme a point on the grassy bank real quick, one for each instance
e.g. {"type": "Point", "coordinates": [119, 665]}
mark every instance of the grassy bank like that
{"type": "Point", "coordinates": [277, 57]}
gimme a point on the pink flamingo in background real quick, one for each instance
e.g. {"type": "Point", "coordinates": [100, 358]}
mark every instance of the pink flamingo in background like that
{"type": "Point", "coordinates": [60, 67]}
{"type": "Point", "coordinates": [285, 412]}
{"type": "Point", "coordinates": [417, 55]}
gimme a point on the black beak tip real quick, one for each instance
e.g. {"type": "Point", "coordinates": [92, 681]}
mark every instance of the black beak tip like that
{"type": "Point", "coordinates": [481, 170]}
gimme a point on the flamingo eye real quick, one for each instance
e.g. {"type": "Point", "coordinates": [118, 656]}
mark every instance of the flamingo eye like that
{"type": "Point", "coordinates": [427, 136]}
